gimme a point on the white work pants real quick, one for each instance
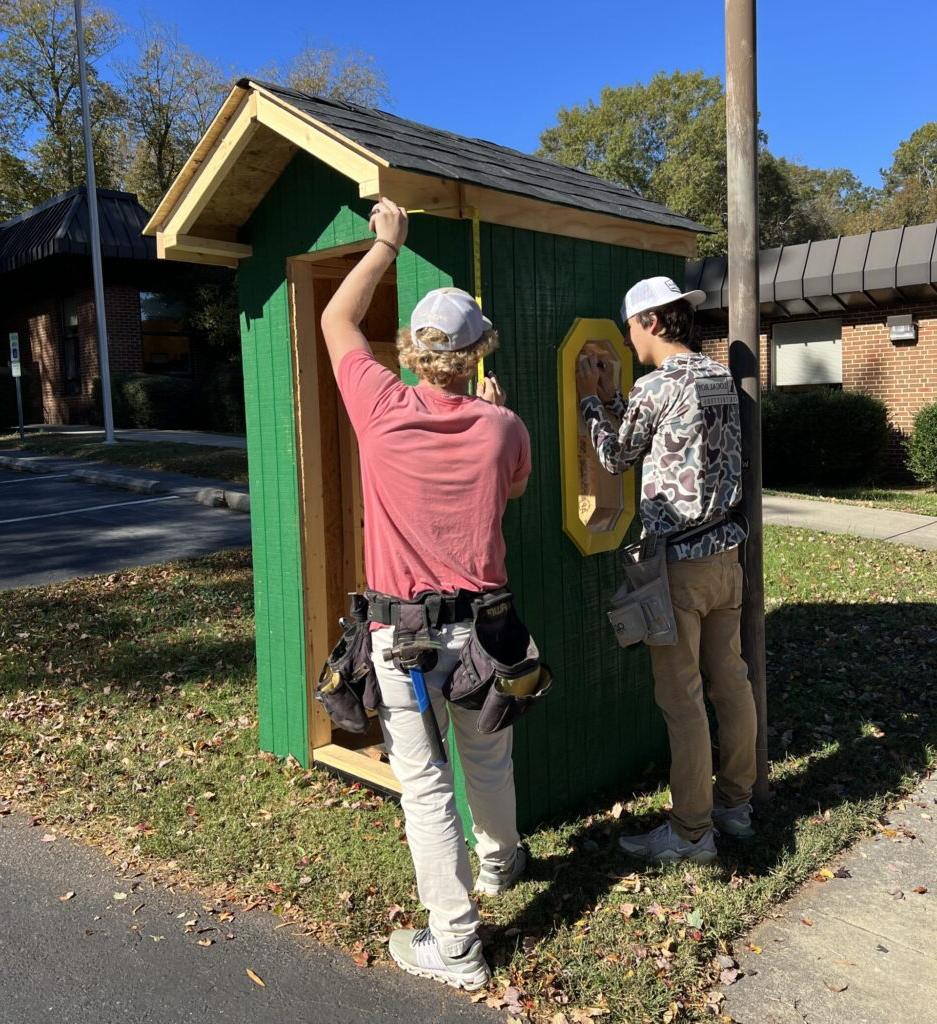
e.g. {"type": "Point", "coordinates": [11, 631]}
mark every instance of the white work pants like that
{"type": "Point", "coordinates": [434, 829]}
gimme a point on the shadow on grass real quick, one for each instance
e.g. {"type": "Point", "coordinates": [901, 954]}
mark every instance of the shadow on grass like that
{"type": "Point", "coordinates": [132, 630]}
{"type": "Point", "coordinates": [853, 710]}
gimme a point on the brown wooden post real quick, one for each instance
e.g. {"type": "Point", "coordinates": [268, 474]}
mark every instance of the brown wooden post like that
{"type": "Point", "coordinates": [744, 356]}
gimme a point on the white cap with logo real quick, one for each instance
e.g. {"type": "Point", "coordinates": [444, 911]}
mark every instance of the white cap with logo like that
{"type": "Point", "coordinates": [654, 292]}
{"type": "Point", "coordinates": [455, 313]}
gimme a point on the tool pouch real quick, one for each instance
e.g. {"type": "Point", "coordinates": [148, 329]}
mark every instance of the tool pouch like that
{"type": "Point", "coordinates": [413, 644]}
{"type": "Point", "coordinates": [642, 611]}
{"type": "Point", "coordinates": [499, 673]}
{"type": "Point", "coordinates": [347, 686]}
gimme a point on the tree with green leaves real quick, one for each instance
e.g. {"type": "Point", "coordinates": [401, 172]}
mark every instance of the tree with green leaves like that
{"type": "Point", "coordinates": [40, 88]}
{"type": "Point", "coordinates": [666, 139]}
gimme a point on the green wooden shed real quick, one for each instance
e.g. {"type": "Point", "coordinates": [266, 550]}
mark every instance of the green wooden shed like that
{"type": "Point", "coordinates": [280, 187]}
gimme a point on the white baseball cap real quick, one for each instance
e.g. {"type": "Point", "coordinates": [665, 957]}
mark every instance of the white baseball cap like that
{"type": "Point", "coordinates": [654, 292]}
{"type": "Point", "coordinates": [455, 313]}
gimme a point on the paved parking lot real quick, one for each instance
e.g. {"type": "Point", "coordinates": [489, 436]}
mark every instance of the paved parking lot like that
{"type": "Point", "coordinates": [53, 528]}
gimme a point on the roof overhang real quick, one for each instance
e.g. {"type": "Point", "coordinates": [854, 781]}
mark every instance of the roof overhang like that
{"type": "Point", "coordinates": [255, 135]}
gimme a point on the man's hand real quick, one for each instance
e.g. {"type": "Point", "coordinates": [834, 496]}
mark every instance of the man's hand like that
{"type": "Point", "coordinates": [389, 222]}
{"type": "Point", "coordinates": [489, 390]}
{"type": "Point", "coordinates": [587, 376]}
{"type": "Point", "coordinates": [594, 377]}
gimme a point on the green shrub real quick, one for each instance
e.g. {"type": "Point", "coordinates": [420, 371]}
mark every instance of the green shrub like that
{"type": "Point", "coordinates": [151, 401]}
{"type": "Point", "coordinates": [825, 438]}
{"type": "Point", "coordinates": [221, 397]}
{"type": "Point", "coordinates": [922, 446]}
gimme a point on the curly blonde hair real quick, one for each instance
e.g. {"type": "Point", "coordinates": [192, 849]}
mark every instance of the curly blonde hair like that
{"type": "Point", "coordinates": [441, 368]}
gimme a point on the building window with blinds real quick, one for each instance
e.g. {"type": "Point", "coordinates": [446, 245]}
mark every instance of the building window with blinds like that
{"type": "Point", "coordinates": [167, 347]}
{"type": "Point", "coordinates": [807, 354]}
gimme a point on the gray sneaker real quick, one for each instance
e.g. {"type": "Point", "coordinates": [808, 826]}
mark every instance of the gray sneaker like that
{"type": "Point", "coordinates": [734, 821]}
{"type": "Point", "coordinates": [417, 952]}
{"type": "Point", "coordinates": [665, 846]}
{"type": "Point", "coordinates": [495, 880]}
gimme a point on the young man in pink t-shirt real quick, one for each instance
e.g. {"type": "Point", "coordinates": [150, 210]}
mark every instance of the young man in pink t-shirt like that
{"type": "Point", "coordinates": [437, 467]}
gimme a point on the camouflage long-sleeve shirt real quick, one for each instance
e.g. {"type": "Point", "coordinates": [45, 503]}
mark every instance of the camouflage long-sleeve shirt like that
{"type": "Point", "coordinates": [685, 418]}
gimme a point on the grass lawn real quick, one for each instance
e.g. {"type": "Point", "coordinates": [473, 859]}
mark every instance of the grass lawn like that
{"type": "Point", "coordinates": [195, 460]}
{"type": "Point", "coordinates": [917, 499]}
{"type": "Point", "coordinates": [127, 716]}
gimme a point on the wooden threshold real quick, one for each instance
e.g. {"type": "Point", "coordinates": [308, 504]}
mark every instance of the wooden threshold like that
{"type": "Point", "coordinates": [357, 765]}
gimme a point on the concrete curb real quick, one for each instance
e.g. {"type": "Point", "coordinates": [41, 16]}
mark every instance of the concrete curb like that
{"type": "Point", "coordinates": [238, 501]}
{"type": "Point", "coordinates": [127, 483]}
{"type": "Point", "coordinates": [35, 463]}
{"type": "Point", "coordinates": [95, 473]}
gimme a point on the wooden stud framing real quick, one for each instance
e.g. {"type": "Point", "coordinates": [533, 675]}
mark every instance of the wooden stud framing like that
{"type": "Point", "coordinates": [329, 495]}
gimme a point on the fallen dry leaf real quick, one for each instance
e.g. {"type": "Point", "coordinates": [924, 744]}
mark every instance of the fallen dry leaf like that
{"type": "Point", "coordinates": [67, 896]}
{"type": "Point", "coordinates": [255, 978]}
{"type": "Point", "coordinates": [48, 838]}
{"type": "Point", "coordinates": [206, 942]}
{"type": "Point", "coordinates": [627, 910]}
{"type": "Point", "coordinates": [729, 976]}
{"type": "Point", "coordinates": [920, 889]}
{"type": "Point", "coordinates": [362, 959]}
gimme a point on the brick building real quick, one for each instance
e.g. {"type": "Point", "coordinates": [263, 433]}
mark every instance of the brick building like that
{"type": "Point", "coordinates": [857, 312]}
{"type": "Point", "coordinates": [46, 297]}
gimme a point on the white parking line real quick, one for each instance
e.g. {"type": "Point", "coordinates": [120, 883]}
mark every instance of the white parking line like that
{"type": "Point", "coordinates": [30, 479]}
{"type": "Point", "coordinates": [89, 508]}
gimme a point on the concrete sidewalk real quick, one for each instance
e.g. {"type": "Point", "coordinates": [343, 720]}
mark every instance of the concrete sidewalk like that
{"type": "Point", "coordinates": [858, 947]}
{"type": "Point", "coordinates": [203, 490]}
{"type": "Point", "coordinates": [200, 437]}
{"type": "Point", "coordinates": [833, 517]}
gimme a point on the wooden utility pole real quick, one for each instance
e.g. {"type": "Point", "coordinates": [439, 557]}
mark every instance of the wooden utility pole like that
{"type": "Point", "coordinates": [744, 355]}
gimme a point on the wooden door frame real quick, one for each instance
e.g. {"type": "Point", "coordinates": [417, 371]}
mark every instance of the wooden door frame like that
{"type": "Point", "coordinates": [328, 543]}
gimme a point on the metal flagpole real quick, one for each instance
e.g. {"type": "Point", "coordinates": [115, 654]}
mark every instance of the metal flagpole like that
{"type": "Point", "coordinates": [92, 193]}
{"type": "Point", "coordinates": [742, 168]}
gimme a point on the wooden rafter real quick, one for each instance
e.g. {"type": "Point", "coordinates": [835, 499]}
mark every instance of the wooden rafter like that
{"type": "Point", "coordinates": [198, 209]}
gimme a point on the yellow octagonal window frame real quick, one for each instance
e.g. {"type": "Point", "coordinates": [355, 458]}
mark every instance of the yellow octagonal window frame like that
{"type": "Point", "coordinates": [589, 541]}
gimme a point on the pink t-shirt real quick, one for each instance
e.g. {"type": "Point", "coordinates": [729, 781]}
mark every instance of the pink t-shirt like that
{"type": "Point", "coordinates": [436, 470]}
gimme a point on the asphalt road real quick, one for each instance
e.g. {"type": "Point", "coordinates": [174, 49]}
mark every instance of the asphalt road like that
{"type": "Point", "coordinates": [53, 528]}
{"type": "Point", "coordinates": [97, 958]}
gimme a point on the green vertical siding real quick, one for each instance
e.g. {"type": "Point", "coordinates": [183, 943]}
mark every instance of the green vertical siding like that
{"type": "Point", "coordinates": [599, 728]}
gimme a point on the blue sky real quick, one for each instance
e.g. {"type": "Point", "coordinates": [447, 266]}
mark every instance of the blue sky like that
{"type": "Point", "coordinates": [841, 82]}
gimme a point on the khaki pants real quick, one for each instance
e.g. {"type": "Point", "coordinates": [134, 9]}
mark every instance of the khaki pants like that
{"type": "Point", "coordinates": [707, 598]}
{"type": "Point", "coordinates": [434, 829]}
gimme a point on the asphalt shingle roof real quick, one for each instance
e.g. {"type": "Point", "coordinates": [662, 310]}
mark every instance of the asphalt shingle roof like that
{"type": "Point", "coordinates": [416, 147]}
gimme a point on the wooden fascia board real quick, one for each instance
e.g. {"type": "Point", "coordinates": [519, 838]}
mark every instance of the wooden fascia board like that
{"type": "Point", "coordinates": [216, 166]}
{"type": "Point", "coordinates": [446, 198]}
{"type": "Point", "coordinates": [311, 136]}
{"type": "Point", "coordinates": [192, 166]}
{"type": "Point", "coordinates": [187, 245]}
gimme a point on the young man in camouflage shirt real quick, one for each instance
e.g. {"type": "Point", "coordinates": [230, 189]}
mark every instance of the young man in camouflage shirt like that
{"type": "Point", "coordinates": [682, 420]}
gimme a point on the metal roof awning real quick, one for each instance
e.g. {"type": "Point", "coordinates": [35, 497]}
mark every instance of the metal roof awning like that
{"type": "Point", "coordinates": [878, 268]}
{"type": "Point", "coordinates": [62, 226]}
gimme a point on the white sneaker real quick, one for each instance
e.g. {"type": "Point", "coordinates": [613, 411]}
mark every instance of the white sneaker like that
{"type": "Point", "coordinates": [734, 821]}
{"type": "Point", "coordinates": [495, 880]}
{"type": "Point", "coordinates": [417, 952]}
{"type": "Point", "coordinates": [665, 846]}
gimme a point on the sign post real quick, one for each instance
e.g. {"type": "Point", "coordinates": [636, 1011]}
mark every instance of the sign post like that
{"type": "Point", "coordinates": [17, 372]}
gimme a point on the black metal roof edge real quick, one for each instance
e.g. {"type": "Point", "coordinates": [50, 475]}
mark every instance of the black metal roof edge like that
{"type": "Point", "coordinates": [79, 190]}
{"type": "Point", "coordinates": [611, 187]}
{"type": "Point", "coordinates": [716, 269]}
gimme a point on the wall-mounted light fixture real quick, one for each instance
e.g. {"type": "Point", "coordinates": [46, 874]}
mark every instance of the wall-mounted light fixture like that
{"type": "Point", "coordinates": [902, 330]}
